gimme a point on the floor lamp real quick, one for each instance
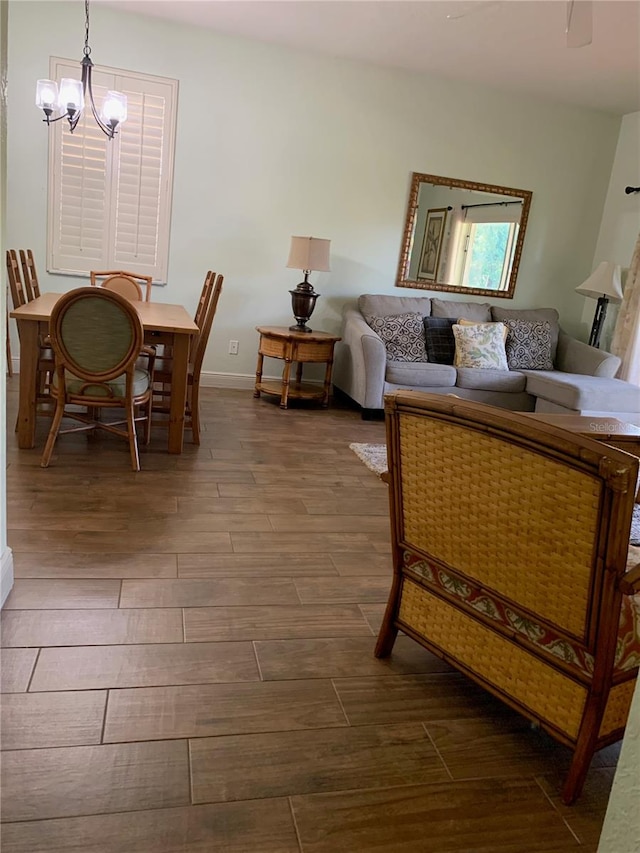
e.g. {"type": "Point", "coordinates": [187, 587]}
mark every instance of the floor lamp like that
{"type": "Point", "coordinates": [604, 284]}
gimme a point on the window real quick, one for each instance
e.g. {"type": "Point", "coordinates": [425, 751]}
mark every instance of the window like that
{"type": "Point", "coordinates": [110, 201]}
{"type": "Point", "coordinates": [488, 254]}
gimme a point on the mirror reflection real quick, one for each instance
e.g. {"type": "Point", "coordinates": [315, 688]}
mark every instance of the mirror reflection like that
{"type": "Point", "coordinates": [462, 236]}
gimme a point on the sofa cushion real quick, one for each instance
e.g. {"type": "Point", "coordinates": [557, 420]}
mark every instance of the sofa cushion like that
{"type": "Point", "coordinates": [479, 311]}
{"type": "Point", "coordinates": [423, 375]}
{"type": "Point", "coordinates": [441, 345]}
{"type": "Point", "coordinates": [490, 380]}
{"type": "Point", "coordinates": [480, 346]}
{"type": "Point", "coordinates": [584, 393]}
{"type": "Point", "coordinates": [402, 336]}
{"type": "Point", "coordinates": [532, 315]}
{"type": "Point", "coordinates": [528, 344]}
{"type": "Point", "coordinates": [385, 306]}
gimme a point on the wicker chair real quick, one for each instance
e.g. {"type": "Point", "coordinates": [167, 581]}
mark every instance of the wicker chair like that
{"type": "Point", "coordinates": [510, 541]}
{"type": "Point", "coordinates": [97, 338]}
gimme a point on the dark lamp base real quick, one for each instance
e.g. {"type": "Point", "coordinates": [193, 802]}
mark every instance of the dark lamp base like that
{"type": "Point", "coordinates": [303, 301]}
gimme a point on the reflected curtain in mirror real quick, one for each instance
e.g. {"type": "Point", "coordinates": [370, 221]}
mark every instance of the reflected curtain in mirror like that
{"type": "Point", "coordinates": [462, 236]}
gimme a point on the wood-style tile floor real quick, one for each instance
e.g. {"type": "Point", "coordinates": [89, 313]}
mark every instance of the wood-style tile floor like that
{"type": "Point", "coordinates": [188, 661]}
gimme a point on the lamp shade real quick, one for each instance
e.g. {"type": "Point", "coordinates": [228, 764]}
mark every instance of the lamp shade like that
{"type": "Point", "coordinates": [603, 281]}
{"type": "Point", "coordinates": [309, 253]}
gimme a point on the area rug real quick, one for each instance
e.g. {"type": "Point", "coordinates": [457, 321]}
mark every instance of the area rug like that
{"type": "Point", "coordinates": [374, 456]}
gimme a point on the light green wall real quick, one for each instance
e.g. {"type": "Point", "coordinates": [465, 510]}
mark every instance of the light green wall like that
{"type": "Point", "coordinates": [274, 142]}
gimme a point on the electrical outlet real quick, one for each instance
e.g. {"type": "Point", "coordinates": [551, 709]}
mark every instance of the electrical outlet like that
{"type": "Point", "coordinates": [233, 347]}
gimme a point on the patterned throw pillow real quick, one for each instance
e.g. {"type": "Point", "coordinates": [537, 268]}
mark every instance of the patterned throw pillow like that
{"type": "Point", "coordinates": [480, 346]}
{"type": "Point", "coordinates": [441, 345]}
{"type": "Point", "coordinates": [402, 335]}
{"type": "Point", "coordinates": [529, 345]}
{"type": "Point", "coordinates": [464, 322]}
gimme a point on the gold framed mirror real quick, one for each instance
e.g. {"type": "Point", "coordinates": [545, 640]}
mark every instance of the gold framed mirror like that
{"type": "Point", "coordinates": [463, 236]}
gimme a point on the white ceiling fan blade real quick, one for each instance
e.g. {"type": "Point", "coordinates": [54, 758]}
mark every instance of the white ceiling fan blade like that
{"type": "Point", "coordinates": [465, 9]}
{"type": "Point", "coordinates": [579, 23]}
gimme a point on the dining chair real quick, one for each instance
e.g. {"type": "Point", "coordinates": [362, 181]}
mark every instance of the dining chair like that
{"type": "Point", "coordinates": [18, 292]}
{"type": "Point", "coordinates": [127, 284]}
{"type": "Point", "coordinates": [23, 285]}
{"type": "Point", "coordinates": [97, 338]}
{"type": "Point", "coordinates": [205, 312]}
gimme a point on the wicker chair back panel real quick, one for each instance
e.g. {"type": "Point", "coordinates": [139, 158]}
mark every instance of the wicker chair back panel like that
{"type": "Point", "coordinates": [545, 691]}
{"type": "Point", "coordinates": [617, 709]}
{"type": "Point", "coordinates": [478, 521]}
{"type": "Point", "coordinates": [96, 336]}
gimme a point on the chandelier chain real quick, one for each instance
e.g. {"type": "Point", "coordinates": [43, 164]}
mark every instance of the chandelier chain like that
{"type": "Point", "coordinates": [87, 49]}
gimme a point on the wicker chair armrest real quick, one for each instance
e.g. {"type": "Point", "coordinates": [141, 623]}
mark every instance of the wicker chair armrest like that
{"type": "Point", "coordinates": [630, 581]}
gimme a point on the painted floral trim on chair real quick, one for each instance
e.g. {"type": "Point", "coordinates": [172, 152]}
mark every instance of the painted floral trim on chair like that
{"type": "Point", "coordinates": [572, 653]}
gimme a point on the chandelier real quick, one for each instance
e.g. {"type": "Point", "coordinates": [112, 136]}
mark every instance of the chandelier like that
{"type": "Point", "coordinates": [70, 100]}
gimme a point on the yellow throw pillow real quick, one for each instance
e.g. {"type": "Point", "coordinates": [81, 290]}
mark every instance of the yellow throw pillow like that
{"type": "Point", "coordinates": [463, 322]}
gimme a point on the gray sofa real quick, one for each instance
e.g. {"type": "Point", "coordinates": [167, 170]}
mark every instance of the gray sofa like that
{"type": "Point", "coordinates": [582, 382]}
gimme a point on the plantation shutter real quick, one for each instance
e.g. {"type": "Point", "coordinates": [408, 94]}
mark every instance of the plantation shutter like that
{"type": "Point", "coordinates": [110, 200]}
{"type": "Point", "coordinates": [142, 214]}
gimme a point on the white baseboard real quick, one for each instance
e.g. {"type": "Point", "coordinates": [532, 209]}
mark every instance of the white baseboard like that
{"type": "Point", "coordinates": [239, 381]}
{"type": "Point", "coordinates": [6, 574]}
{"type": "Point", "coordinates": [209, 379]}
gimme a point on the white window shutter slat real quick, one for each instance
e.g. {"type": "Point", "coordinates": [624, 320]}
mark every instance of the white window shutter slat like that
{"type": "Point", "coordinates": [110, 201]}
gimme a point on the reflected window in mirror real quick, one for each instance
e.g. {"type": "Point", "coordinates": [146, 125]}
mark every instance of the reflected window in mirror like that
{"type": "Point", "coordinates": [462, 236]}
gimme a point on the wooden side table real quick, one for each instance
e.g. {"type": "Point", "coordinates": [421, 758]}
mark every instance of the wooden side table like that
{"type": "Point", "coordinates": [301, 347]}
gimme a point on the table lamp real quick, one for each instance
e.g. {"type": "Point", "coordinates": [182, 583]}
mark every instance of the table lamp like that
{"type": "Point", "coordinates": [306, 254]}
{"type": "Point", "coordinates": [603, 284]}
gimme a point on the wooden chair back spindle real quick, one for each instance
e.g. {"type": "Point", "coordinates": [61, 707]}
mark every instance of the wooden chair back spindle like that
{"type": "Point", "coordinates": [30, 275]}
{"type": "Point", "coordinates": [18, 293]}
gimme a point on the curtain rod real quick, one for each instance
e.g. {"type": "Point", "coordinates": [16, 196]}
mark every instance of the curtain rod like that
{"type": "Point", "coordinates": [630, 190]}
{"type": "Point", "coordinates": [491, 204]}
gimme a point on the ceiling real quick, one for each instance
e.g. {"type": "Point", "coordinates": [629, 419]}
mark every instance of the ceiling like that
{"type": "Point", "coordinates": [516, 45]}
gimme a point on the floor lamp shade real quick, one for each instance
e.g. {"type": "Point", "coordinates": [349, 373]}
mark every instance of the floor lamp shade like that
{"type": "Point", "coordinates": [306, 254]}
{"type": "Point", "coordinates": [604, 284]}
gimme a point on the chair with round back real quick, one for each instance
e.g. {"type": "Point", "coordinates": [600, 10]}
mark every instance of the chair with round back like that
{"type": "Point", "coordinates": [127, 284]}
{"type": "Point", "coordinates": [97, 338]}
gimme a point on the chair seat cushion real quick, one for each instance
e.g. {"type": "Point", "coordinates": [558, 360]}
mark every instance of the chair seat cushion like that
{"type": "Point", "coordinates": [117, 386]}
{"type": "Point", "coordinates": [552, 642]}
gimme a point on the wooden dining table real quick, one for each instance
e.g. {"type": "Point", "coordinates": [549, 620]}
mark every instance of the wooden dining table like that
{"type": "Point", "coordinates": [163, 324]}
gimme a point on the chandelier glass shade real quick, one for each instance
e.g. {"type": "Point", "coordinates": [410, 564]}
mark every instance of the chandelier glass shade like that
{"type": "Point", "coordinates": [69, 100]}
